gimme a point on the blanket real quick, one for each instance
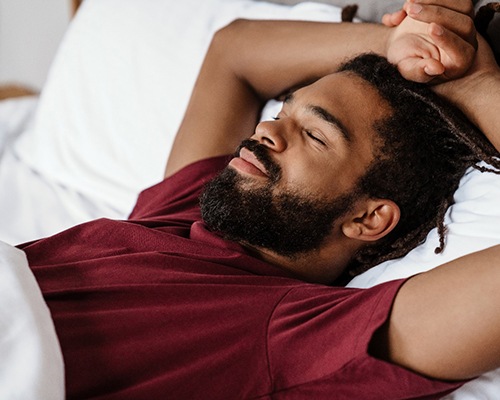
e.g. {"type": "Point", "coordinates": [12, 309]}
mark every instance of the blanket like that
{"type": "Point", "coordinates": [32, 365]}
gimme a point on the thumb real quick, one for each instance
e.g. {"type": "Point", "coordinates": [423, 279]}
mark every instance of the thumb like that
{"type": "Point", "coordinates": [421, 70]}
{"type": "Point", "coordinates": [393, 19]}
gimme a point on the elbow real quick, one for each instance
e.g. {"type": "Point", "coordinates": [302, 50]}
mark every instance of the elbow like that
{"type": "Point", "coordinates": [230, 33]}
{"type": "Point", "coordinates": [233, 28]}
{"type": "Point", "coordinates": [227, 47]}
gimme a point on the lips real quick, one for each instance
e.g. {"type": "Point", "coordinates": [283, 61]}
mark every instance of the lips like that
{"type": "Point", "coordinates": [250, 157]}
{"type": "Point", "coordinates": [248, 162]}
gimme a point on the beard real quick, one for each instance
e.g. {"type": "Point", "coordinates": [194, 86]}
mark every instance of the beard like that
{"type": "Point", "coordinates": [286, 222]}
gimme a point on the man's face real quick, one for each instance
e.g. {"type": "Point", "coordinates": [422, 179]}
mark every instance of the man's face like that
{"type": "Point", "coordinates": [297, 176]}
{"type": "Point", "coordinates": [284, 221]}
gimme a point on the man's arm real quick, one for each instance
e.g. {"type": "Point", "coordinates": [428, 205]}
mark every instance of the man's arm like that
{"type": "Point", "coordinates": [476, 91]}
{"type": "Point", "coordinates": [445, 322]}
{"type": "Point", "coordinates": [477, 94]}
{"type": "Point", "coordinates": [250, 62]}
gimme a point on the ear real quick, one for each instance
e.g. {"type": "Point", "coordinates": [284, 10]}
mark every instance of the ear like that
{"type": "Point", "coordinates": [375, 219]}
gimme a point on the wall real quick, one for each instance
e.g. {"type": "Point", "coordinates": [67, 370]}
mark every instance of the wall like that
{"type": "Point", "coordinates": [30, 32]}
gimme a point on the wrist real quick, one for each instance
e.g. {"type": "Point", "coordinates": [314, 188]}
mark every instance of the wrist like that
{"type": "Point", "coordinates": [388, 37]}
{"type": "Point", "coordinates": [477, 96]}
{"type": "Point", "coordinates": [473, 88]}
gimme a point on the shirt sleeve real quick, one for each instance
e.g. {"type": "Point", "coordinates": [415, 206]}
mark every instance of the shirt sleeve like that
{"type": "Point", "coordinates": [318, 342]}
{"type": "Point", "coordinates": [178, 194]}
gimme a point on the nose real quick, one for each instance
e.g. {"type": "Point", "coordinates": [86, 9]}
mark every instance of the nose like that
{"type": "Point", "coordinates": [271, 134]}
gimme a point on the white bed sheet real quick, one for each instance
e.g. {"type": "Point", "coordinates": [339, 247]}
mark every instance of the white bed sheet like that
{"type": "Point", "coordinates": [109, 112]}
{"type": "Point", "coordinates": [31, 364]}
{"type": "Point", "coordinates": [15, 116]}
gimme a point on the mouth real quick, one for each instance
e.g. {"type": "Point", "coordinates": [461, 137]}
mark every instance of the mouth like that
{"type": "Point", "coordinates": [248, 163]}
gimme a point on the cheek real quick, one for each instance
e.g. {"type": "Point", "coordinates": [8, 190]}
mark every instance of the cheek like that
{"type": "Point", "coordinates": [325, 174]}
{"type": "Point", "coordinates": [297, 170]}
{"type": "Point", "coordinates": [309, 178]}
{"type": "Point", "coordinates": [322, 179]}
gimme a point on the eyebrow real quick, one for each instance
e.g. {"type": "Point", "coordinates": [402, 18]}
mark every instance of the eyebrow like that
{"type": "Point", "coordinates": [324, 115]}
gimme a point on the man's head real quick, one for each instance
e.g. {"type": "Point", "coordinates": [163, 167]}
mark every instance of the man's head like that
{"type": "Point", "coordinates": [286, 221]}
{"type": "Point", "coordinates": [428, 145]}
{"type": "Point", "coordinates": [361, 163]}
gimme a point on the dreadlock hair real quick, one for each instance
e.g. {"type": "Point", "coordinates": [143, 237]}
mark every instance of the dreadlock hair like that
{"type": "Point", "coordinates": [426, 145]}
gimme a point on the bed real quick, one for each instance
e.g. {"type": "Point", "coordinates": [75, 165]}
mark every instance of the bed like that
{"type": "Point", "coordinates": [100, 132]}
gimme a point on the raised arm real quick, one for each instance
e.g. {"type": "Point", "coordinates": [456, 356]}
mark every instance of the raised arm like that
{"type": "Point", "coordinates": [445, 322]}
{"type": "Point", "coordinates": [249, 62]}
{"type": "Point", "coordinates": [477, 94]}
{"type": "Point", "coordinates": [477, 90]}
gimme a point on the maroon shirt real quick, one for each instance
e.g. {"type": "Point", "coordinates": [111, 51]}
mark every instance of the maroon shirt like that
{"type": "Point", "coordinates": [158, 307]}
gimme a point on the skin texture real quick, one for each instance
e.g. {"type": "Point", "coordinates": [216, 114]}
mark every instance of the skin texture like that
{"type": "Point", "coordinates": [445, 323]}
{"type": "Point", "coordinates": [250, 62]}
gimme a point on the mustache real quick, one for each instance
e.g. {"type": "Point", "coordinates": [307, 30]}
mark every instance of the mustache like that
{"type": "Point", "coordinates": [261, 152]}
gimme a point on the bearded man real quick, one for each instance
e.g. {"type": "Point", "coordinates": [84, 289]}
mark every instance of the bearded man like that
{"type": "Point", "coordinates": [240, 299]}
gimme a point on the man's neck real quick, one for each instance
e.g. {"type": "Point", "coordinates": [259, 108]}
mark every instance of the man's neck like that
{"type": "Point", "coordinates": [317, 266]}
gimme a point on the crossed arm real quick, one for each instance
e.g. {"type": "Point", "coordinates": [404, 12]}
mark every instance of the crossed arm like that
{"type": "Point", "coordinates": [473, 88]}
{"type": "Point", "coordinates": [445, 322]}
{"type": "Point", "coordinates": [250, 62]}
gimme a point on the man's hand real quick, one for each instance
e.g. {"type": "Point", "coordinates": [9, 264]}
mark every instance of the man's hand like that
{"type": "Point", "coordinates": [438, 41]}
{"type": "Point", "coordinates": [477, 93]}
{"type": "Point", "coordinates": [483, 68]}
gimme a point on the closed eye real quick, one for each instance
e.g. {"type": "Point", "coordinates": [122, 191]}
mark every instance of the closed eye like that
{"type": "Point", "coordinates": [309, 133]}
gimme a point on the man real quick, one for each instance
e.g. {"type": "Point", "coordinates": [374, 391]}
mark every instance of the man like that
{"type": "Point", "coordinates": [164, 305]}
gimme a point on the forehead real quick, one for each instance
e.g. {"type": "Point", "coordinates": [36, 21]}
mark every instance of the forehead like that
{"type": "Point", "coordinates": [355, 103]}
{"type": "Point", "coordinates": [357, 106]}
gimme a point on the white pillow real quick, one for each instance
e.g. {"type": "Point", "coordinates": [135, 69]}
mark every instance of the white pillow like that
{"type": "Point", "coordinates": [118, 87]}
{"type": "Point", "coordinates": [473, 224]}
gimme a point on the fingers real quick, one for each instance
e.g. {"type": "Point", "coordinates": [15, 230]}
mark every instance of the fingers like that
{"type": "Point", "coordinates": [446, 56]}
{"type": "Point", "coordinates": [460, 6]}
{"type": "Point", "coordinates": [457, 56]}
{"type": "Point", "coordinates": [421, 70]}
{"type": "Point", "coordinates": [456, 17]}
{"type": "Point", "coordinates": [446, 27]}
{"type": "Point", "coordinates": [394, 19]}
{"type": "Point", "coordinates": [432, 68]}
